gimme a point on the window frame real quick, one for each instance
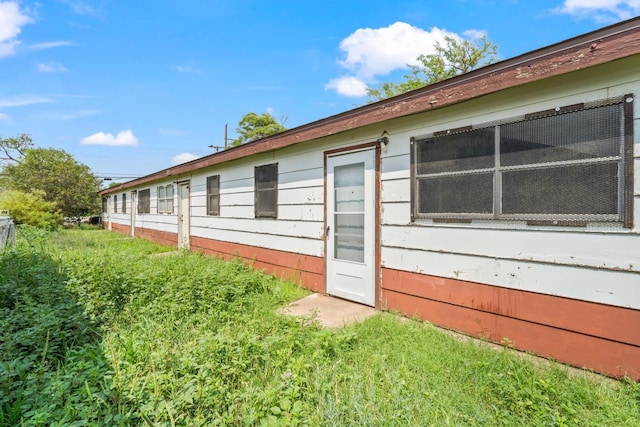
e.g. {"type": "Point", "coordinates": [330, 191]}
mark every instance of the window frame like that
{"type": "Point", "coordinates": [264, 189]}
{"type": "Point", "coordinates": [624, 162]}
{"type": "Point", "coordinates": [124, 203]}
{"type": "Point", "coordinates": [165, 200]}
{"type": "Point", "coordinates": [213, 196]}
{"type": "Point", "coordinates": [144, 201]}
{"type": "Point", "coordinates": [115, 203]}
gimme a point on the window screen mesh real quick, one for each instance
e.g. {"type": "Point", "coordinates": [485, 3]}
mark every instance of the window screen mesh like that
{"type": "Point", "coordinates": [457, 152]}
{"type": "Point", "coordinates": [580, 135]}
{"type": "Point", "coordinates": [213, 195]}
{"type": "Point", "coordinates": [266, 190]}
{"type": "Point", "coordinates": [561, 164]}
{"type": "Point", "coordinates": [570, 190]}
{"type": "Point", "coordinates": [456, 194]}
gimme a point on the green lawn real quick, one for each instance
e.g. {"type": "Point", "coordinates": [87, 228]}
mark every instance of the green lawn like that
{"type": "Point", "coordinates": [96, 330]}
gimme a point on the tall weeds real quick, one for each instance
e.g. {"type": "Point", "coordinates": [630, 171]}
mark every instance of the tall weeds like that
{"type": "Point", "coordinates": [97, 330]}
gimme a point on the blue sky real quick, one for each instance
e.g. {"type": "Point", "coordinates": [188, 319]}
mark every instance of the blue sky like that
{"type": "Point", "coordinates": [129, 87]}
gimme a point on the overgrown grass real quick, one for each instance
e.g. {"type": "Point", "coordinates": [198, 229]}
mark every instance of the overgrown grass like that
{"type": "Point", "coordinates": [97, 329]}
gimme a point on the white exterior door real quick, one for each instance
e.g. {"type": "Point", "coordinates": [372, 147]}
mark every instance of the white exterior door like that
{"type": "Point", "coordinates": [109, 207]}
{"type": "Point", "coordinates": [184, 214]}
{"type": "Point", "coordinates": [350, 230]}
{"type": "Point", "coordinates": [133, 209]}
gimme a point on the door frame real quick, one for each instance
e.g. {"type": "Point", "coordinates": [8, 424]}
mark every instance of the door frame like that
{"type": "Point", "coordinates": [184, 187]}
{"type": "Point", "coordinates": [134, 210]}
{"type": "Point", "coordinates": [109, 208]}
{"type": "Point", "coordinates": [375, 145]}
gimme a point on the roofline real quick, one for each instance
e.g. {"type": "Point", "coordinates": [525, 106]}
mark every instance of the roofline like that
{"type": "Point", "coordinates": [597, 47]}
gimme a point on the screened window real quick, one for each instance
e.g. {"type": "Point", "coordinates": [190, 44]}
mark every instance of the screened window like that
{"type": "Point", "coordinates": [165, 199]}
{"type": "Point", "coordinates": [115, 204]}
{"type": "Point", "coordinates": [105, 204]}
{"type": "Point", "coordinates": [144, 201]}
{"type": "Point", "coordinates": [124, 203]}
{"type": "Point", "coordinates": [213, 195]}
{"type": "Point", "coordinates": [266, 191]}
{"type": "Point", "coordinates": [564, 164]}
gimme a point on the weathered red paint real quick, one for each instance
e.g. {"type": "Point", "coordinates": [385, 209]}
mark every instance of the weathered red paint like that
{"type": "Point", "coordinates": [304, 269]}
{"type": "Point", "coordinates": [156, 236]}
{"type": "Point", "coordinates": [121, 228]}
{"type": "Point", "coordinates": [599, 337]}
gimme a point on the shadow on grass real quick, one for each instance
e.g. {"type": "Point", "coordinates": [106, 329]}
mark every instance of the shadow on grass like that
{"type": "Point", "coordinates": [52, 369]}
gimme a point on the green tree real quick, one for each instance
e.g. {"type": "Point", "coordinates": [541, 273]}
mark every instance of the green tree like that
{"type": "Point", "coordinates": [58, 176]}
{"type": "Point", "coordinates": [254, 126]}
{"type": "Point", "coordinates": [454, 57]}
{"type": "Point", "coordinates": [30, 208]}
{"type": "Point", "coordinates": [13, 149]}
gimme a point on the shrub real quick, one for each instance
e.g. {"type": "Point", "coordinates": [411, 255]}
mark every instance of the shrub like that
{"type": "Point", "coordinates": [30, 208]}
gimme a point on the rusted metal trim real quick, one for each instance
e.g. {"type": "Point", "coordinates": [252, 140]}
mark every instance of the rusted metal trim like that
{"type": "Point", "coordinates": [554, 111]}
{"type": "Point", "coordinates": [364, 146]}
{"type": "Point", "coordinates": [627, 219]}
{"type": "Point", "coordinates": [412, 185]}
{"type": "Point", "coordinates": [557, 223]}
{"type": "Point", "coordinates": [324, 229]}
{"type": "Point", "coordinates": [450, 131]}
{"type": "Point", "coordinates": [378, 229]}
{"type": "Point", "coordinates": [452, 220]}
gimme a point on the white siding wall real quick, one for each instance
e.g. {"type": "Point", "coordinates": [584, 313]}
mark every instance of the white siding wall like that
{"type": "Point", "coordinates": [299, 225]}
{"type": "Point", "coordinates": [153, 220]}
{"type": "Point", "coordinates": [120, 217]}
{"type": "Point", "coordinates": [599, 263]}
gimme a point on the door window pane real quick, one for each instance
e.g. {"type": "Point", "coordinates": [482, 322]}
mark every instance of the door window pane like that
{"type": "Point", "coordinates": [349, 212]}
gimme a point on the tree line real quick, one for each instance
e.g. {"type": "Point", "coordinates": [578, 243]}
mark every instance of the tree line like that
{"type": "Point", "coordinates": [40, 186]}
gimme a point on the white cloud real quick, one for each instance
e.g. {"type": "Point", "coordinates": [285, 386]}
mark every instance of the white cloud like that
{"type": "Point", "coordinates": [124, 138]}
{"type": "Point", "coordinates": [11, 21]}
{"type": "Point", "coordinates": [474, 34]}
{"type": "Point", "coordinates": [52, 67]}
{"type": "Point", "coordinates": [172, 132]}
{"type": "Point", "coordinates": [182, 158]}
{"type": "Point", "coordinates": [22, 100]}
{"type": "Point", "coordinates": [376, 52]}
{"type": "Point", "coordinates": [187, 69]}
{"type": "Point", "coordinates": [50, 45]}
{"type": "Point", "coordinates": [600, 10]}
{"type": "Point", "coordinates": [72, 115]}
{"type": "Point", "coordinates": [370, 52]}
{"type": "Point", "coordinates": [81, 8]}
{"type": "Point", "coordinates": [4, 116]}
{"type": "Point", "coordinates": [348, 86]}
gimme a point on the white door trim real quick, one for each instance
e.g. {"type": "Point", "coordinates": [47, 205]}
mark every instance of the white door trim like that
{"type": "Point", "coordinates": [184, 215]}
{"type": "Point", "coordinates": [351, 253]}
{"type": "Point", "coordinates": [134, 209]}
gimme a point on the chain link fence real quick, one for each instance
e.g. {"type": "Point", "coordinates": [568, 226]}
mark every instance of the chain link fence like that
{"type": "Point", "coordinates": [7, 230]}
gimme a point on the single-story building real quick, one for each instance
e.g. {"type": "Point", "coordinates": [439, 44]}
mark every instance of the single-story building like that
{"type": "Point", "coordinates": [501, 203]}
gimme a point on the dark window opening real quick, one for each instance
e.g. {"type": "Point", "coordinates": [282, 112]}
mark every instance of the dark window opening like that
{"type": "Point", "coordinates": [144, 201]}
{"type": "Point", "coordinates": [213, 195]}
{"type": "Point", "coordinates": [266, 191]}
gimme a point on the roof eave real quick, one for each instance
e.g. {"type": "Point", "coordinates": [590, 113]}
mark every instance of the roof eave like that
{"type": "Point", "coordinates": [588, 50]}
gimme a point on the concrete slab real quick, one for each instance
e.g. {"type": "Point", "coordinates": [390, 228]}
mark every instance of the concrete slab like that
{"type": "Point", "coordinates": [329, 311]}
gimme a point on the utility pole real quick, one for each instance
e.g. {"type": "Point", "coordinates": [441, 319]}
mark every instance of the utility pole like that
{"type": "Point", "coordinates": [226, 138]}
